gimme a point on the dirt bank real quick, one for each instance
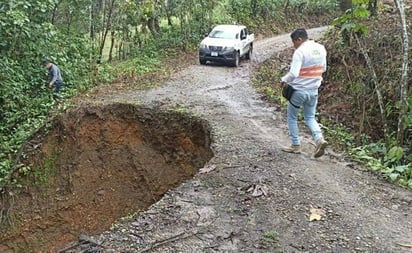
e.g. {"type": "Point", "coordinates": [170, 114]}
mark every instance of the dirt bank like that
{"type": "Point", "coordinates": [94, 165]}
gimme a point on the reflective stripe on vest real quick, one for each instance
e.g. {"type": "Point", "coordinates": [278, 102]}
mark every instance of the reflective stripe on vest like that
{"type": "Point", "coordinates": [311, 72]}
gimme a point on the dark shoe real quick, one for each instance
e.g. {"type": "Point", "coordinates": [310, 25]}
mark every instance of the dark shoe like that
{"type": "Point", "coordinates": [57, 98]}
{"type": "Point", "coordinates": [295, 149]}
{"type": "Point", "coordinates": [320, 147]}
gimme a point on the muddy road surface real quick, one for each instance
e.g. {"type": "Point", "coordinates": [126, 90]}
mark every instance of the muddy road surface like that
{"type": "Point", "coordinates": [252, 197]}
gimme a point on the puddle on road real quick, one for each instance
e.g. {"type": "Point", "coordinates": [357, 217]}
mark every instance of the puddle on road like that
{"type": "Point", "coordinates": [95, 165]}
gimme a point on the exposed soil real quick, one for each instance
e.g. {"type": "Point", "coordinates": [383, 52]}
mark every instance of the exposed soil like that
{"type": "Point", "coordinates": [98, 164]}
{"type": "Point", "coordinates": [250, 197]}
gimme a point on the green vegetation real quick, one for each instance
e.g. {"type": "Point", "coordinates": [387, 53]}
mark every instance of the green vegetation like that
{"type": "Point", "coordinates": [365, 104]}
{"type": "Point", "coordinates": [42, 175]}
{"type": "Point", "coordinates": [271, 235]}
{"type": "Point", "coordinates": [270, 239]}
{"type": "Point", "coordinates": [371, 40]}
{"type": "Point", "coordinates": [99, 42]}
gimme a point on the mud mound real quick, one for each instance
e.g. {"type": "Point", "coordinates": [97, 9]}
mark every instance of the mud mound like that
{"type": "Point", "coordinates": [98, 164]}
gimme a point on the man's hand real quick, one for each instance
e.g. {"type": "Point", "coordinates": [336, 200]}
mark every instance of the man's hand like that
{"type": "Point", "coordinates": [50, 85]}
{"type": "Point", "coordinates": [283, 84]}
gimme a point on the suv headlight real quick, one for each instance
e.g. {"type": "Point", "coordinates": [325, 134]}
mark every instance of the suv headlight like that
{"type": "Point", "coordinates": [228, 49]}
{"type": "Point", "coordinates": [202, 46]}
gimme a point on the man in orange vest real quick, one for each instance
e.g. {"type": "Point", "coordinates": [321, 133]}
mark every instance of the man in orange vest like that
{"type": "Point", "coordinates": [305, 76]}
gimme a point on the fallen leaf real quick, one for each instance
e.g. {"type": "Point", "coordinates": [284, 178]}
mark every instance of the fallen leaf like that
{"type": "Point", "coordinates": [207, 169]}
{"type": "Point", "coordinates": [256, 190]}
{"type": "Point", "coordinates": [250, 188]}
{"type": "Point", "coordinates": [316, 214]}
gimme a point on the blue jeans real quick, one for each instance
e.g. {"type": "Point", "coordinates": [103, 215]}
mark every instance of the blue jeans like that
{"type": "Point", "coordinates": [306, 100]}
{"type": "Point", "coordinates": [57, 86]}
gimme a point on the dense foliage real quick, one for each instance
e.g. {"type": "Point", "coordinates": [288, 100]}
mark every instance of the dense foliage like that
{"type": "Point", "coordinates": [96, 41]}
{"type": "Point", "coordinates": [28, 37]}
{"type": "Point", "coordinates": [361, 98]}
{"type": "Point", "coordinates": [368, 65]}
{"type": "Point", "coordinates": [99, 41]}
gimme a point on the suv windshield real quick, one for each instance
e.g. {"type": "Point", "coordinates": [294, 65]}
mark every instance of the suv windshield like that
{"type": "Point", "coordinates": [219, 34]}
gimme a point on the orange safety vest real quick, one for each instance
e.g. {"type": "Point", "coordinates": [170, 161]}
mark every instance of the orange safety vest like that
{"type": "Point", "coordinates": [311, 72]}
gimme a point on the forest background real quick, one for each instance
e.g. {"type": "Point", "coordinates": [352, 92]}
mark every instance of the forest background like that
{"type": "Point", "coordinates": [102, 42]}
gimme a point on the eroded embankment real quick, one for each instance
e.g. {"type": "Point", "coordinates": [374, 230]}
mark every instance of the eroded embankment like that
{"type": "Point", "coordinates": [96, 164]}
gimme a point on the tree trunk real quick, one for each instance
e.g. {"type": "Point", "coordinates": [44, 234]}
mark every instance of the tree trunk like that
{"type": "Point", "coordinates": [106, 30]}
{"type": "Point", "coordinates": [377, 87]}
{"type": "Point", "coordinates": [53, 18]}
{"type": "Point", "coordinates": [91, 20]}
{"type": "Point", "coordinates": [404, 75]}
{"type": "Point", "coordinates": [111, 46]}
{"type": "Point", "coordinates": [168, 13]}
{"type": "Point", "coordinates": [153, 25]}
{"type": "Point", "coordinates": [69, 18]}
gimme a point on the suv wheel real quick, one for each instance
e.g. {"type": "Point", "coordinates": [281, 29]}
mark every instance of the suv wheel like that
{"type": "Point", "coordinates": [236, 61]}
{"type": "Point", "coordinates": [249, 53]}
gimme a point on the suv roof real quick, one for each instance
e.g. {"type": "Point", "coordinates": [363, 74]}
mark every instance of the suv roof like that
{"type": "Point", "coordinates": [229, 27]}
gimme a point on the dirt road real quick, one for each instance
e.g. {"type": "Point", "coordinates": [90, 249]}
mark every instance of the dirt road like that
{"type": "Point", "coordinates": [220, 211]}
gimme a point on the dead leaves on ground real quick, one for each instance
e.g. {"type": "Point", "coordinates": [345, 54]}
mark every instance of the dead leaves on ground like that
{"type": "Point", "coordinates": [257, 190]}
{"type": "Point", "coordinates": [316, 214]}
{"type": "Point", "coordinates": [207, 169]}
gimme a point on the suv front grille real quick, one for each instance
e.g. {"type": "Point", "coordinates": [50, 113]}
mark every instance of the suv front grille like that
{"type": "Point", "coordinates": [215, 48]}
